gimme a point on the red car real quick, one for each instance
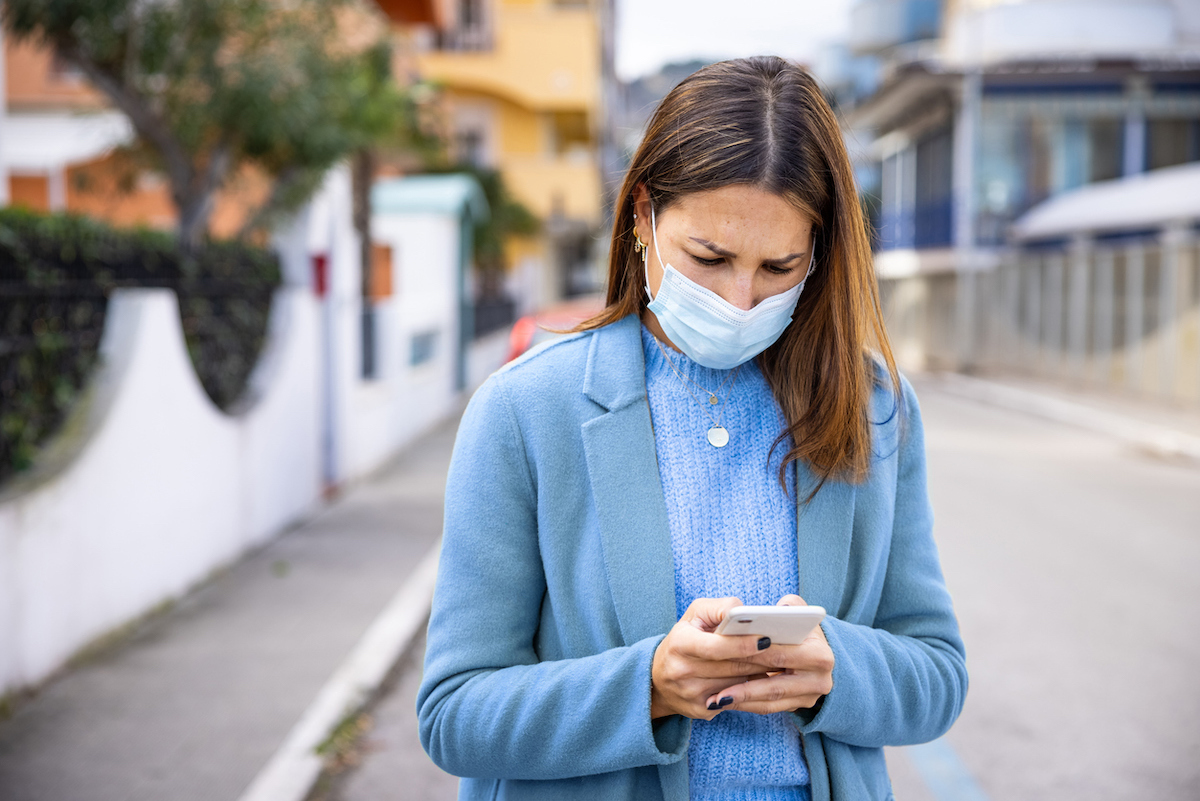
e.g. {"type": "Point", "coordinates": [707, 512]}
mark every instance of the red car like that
{"type": "Point", "coordinates": [533, 329]}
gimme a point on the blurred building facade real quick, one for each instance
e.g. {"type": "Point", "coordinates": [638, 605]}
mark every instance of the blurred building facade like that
{"type": "Point", "coordinates": [523, 88]}
{"type": "Point", "coordinates": [1008, 104]}
{"type": "Point", "coordinates": [986, 109]}
{"type": "Point", "coordinates": [968, 118]}
{"type": "Point", "coordinates": [57, 131]}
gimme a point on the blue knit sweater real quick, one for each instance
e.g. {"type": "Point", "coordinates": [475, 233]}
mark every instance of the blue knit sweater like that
{"type": "Point", "coordinates": [733, 533]}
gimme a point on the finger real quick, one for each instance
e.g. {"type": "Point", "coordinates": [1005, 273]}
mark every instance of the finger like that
{"type": "Point", "coordinates": [791, 600]}
{"type": "Point", "coordinates": [784, 692]}
{"type": "Point", "coordinates": [778, 658]}
{"type": "Point", "coordinates": [725, 647]}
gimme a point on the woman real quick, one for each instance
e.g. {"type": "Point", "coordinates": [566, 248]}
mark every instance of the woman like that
{"type": "Point", "coordinates": [730, 429]}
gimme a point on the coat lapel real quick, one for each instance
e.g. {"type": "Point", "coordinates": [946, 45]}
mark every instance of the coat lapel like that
{"type": "Point", "coordinates": [623, 469]}
{"type": "Point", "coordinates": [824, 530]}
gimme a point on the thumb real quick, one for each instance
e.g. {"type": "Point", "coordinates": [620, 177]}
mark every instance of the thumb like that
{"type": "Point", "coordinates": [707, 613]}
{"type": "Point", "coordinates": [791, 600]}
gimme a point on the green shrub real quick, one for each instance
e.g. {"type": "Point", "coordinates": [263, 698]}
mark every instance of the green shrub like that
{"type": "Point", "coordinates": [56, 272]}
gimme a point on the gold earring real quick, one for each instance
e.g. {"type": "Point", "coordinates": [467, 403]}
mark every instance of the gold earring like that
{"type": "Point", "coordinates": [638, 245]}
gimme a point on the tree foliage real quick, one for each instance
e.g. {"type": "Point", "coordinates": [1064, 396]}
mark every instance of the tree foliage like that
{"type": "Point", "coordinates": [213, 85]}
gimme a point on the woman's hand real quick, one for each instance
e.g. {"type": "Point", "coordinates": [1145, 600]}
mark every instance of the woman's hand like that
{"type": "Point", "coordinates": [692, 663]}
{"type": "Point", "coordinates": [797, 676]}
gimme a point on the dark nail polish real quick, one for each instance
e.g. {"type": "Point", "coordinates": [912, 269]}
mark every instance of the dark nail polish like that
{"type": "Point", "coordinates": [764, 643]}
{"type": "Point", "coordinates": [714, 705]}
{"type": "Point", "coordinates": [726, 701]}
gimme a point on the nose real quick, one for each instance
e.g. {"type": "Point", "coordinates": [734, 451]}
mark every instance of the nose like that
{"type": "Point", "coordinates": [740, 292]}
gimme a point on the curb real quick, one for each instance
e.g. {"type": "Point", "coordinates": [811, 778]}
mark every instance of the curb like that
{"type": "Point", "coordinates": [293, 770]}
{"type": "Point", "coordinates": [1166, 443]}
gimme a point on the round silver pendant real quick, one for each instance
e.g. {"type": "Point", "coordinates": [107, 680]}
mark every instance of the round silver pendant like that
{"type": "Point", "coordinates": [718, 437]}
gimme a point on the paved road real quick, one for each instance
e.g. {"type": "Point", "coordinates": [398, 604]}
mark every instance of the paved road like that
{"type": "Point", "coordinates": [1075, 568]}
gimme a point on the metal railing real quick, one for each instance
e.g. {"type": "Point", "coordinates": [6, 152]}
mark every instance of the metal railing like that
{"type": "Point", "coordinates": [1117, 314]}
{"type": "Point", "coordinates": [1121, 314]}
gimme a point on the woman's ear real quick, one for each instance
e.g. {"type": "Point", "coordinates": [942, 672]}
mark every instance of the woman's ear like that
{"type": "Point", "coordinates": [641, 207]}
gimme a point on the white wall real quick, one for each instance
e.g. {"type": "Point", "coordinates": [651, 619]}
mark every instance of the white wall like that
{"type": "Point", "coordinates": [386, 413]}
{"type": "Point", "coordinates": [158, 487]}
{"type": "Point", "coordinates": [149, 487]}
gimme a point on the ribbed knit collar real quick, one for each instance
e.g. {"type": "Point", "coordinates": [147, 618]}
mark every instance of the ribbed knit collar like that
{"type": "Point", "coordinates": [706, 377]}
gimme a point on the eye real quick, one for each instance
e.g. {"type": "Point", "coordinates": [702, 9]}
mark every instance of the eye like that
{"type": "Point", "coordinates": [708, 262]}
{"type": "Point", "coordinates": [775, 269]}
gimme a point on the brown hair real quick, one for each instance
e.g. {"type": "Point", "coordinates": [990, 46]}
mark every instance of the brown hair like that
{"type": "Point", "coordinates": [763, 122]}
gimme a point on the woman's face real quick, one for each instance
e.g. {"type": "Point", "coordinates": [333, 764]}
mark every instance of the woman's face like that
{"type": "Point", "coordinates": [739, 241]}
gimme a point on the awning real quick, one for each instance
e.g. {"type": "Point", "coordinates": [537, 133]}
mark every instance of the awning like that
{"type": "Point", "coordinates": [445, 194]}
{"type": "Point", "coordinates": [1149, 200]}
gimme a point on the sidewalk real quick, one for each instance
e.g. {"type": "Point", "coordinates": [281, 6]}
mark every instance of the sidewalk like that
{"type": "Point", "coordinates": [198, 699]}
{"type": "Point", "coordinates": [1155, 428]}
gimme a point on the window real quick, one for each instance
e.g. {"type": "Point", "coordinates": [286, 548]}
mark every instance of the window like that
{"type": "Point", "coordinates": [63, 71]}
{"type": "Point", "coordinates": [470, 13]}
{"type": "Point", "coordinates": [424, 347]}
{"type": "Point", "coordinates": [935, 157]}
{"type": "Point", "coordinates": [471, 147]}
{"type": "Point", "coordinates": [1171, 141]}
{"type": "Point", "coordinates": [1106, 141]}
{"type": "Point", "coordinates": [571, 132]}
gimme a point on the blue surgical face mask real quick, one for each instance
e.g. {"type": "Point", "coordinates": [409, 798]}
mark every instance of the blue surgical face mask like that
{"type": "Point", "coordinates": [709, 329]}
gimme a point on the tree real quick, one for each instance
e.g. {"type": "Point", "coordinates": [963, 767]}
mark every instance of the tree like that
{"type": "Point", "coordinates": [213, 85]}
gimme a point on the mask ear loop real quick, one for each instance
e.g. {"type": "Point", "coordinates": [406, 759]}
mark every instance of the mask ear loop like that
{"type": "Point", "coordinates": [657, 255]}
{"type": "Point", "coordinates": [654, 235]}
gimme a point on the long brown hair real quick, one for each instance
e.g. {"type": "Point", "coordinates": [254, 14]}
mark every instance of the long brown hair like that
{"type": "Point", "coordinates": [762, 121]}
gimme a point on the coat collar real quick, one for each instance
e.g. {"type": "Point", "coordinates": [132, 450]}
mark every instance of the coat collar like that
{"type": "Point", "coordinates": [824, 533]}
{"type": "Point", "coordinates": [616, 370]}
{"type": "Point", "coordinates": [623, 469]}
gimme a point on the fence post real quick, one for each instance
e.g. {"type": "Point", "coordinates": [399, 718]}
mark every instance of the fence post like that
{"type": "Point", "coordinates": [1170, 305]}
{"type": "Point", "coordinates": [1135, 287]}
{"type": "Point", "coordinates": [1104, 313]}
{"type": "Point", "coordinates": [1005, 339]}
{"type": "Point", "coordinates": [1033, 311]}
{"type": "Point", "coordinates": [1053, 314]}
{"type": "Point", "coordinates": [1077, 304]}
{"type": "Point", "coordinates": [966, 322]}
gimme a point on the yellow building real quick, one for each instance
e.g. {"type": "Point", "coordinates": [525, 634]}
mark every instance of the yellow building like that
{"type": "Point", "coordinates": [521, 84]}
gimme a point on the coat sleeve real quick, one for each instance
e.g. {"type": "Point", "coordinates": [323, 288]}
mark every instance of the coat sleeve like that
{"type": "Point", "coordinates": [902, 679]}
{"type": "Point", "coordinates": [487, 707]}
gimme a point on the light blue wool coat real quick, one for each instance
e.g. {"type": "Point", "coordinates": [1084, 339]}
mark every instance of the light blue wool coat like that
{"type": "Point", "coordinates": [556, 585]}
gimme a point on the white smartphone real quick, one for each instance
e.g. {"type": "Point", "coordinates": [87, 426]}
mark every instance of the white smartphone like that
{"type": "Point", "coordinates": [785, 625]}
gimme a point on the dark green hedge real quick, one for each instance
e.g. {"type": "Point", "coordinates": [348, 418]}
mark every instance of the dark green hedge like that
{"type": "Point", "coordinates": [56, 272]}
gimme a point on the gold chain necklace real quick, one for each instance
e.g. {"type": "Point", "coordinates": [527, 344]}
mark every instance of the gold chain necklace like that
{"type": "Point", "coordinates": [718, 435]}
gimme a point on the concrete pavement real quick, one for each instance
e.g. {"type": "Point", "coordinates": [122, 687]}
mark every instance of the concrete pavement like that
{"type": "Point", "coordinates": [1073, 560]}
{"type": "Point", "coordinates": [196, 700]}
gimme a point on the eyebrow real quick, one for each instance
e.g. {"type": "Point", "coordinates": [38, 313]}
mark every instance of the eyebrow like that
{"type": "Point", "coordinates": [727, 254]}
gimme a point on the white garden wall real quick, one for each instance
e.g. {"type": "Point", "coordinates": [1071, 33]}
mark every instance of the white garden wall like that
{"type": "Point", "coordinates": [149, 487]}
{"type": "Point", "coordinates": [405, 398]}
{"type": "Point", "coordinates": [159, 488]}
